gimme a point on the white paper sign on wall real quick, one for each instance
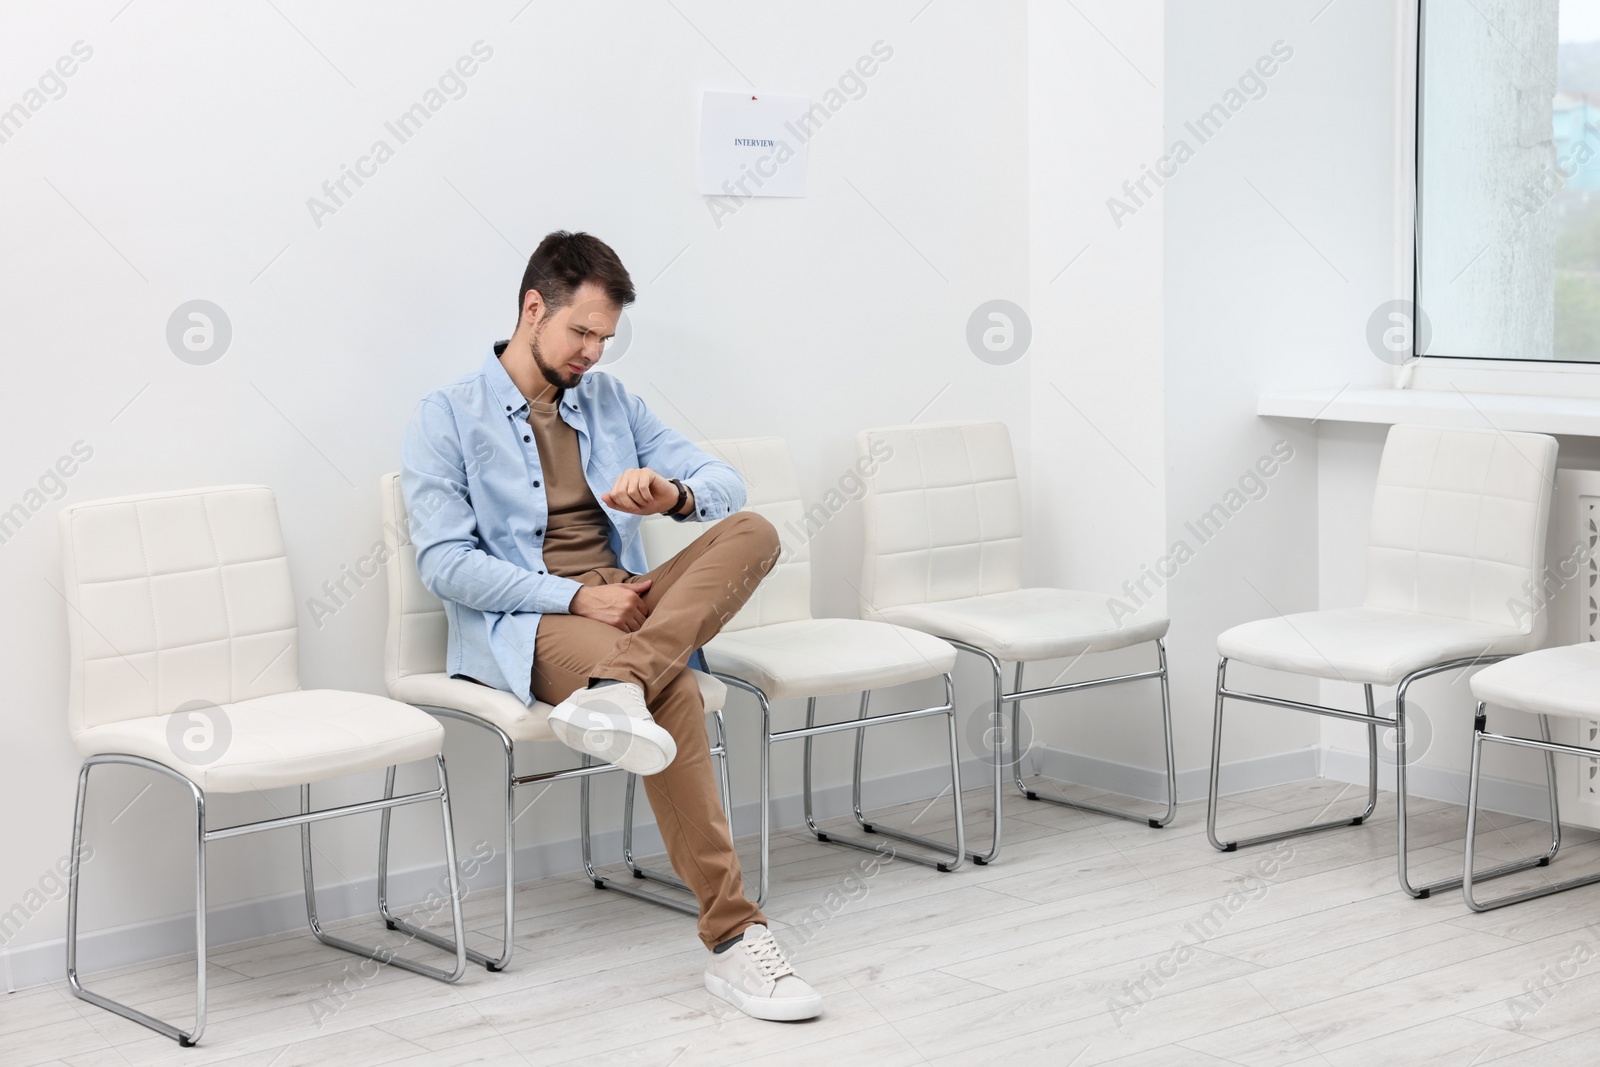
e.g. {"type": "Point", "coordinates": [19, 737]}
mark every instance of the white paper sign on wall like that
{"type": "Point", "coordinates": [753, 144]}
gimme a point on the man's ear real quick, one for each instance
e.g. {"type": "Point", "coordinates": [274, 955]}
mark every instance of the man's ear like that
{"type": "Point", "coordinates": [533, 308]}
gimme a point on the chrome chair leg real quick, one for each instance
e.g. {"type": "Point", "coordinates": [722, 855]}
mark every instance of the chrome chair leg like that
{"type": "Point", "coordinates": [1015, 698]}
{"type": "Point", "coordinates": [1371, 719]}
{"type": "Point", "coordinates": [627, 826]}
{"type": "Point", "coordinates": [640, 872]}
{"type": "Point", "coordinates": [588, 769]}
{"type": "Point", "coordinates": [633, 865]}
{"type": "Point", "coordinates": [719, 752]}
{"type": "Point", "coordinates": [805, 770]}
{"type": "Point", "coordinates": [393, 922]}
{"type": "Point", "coordinates": [1480, 734]}
{"type": "Point", "coordinates": [203, 837]}
{"type": "Point", "coordinates": [942, 858]}
{"type": "Point", "coordinates": [1016, 730]}
{"type": "Point", "coordinates": [383, 954]}
{"type": "Point", "coordinates": [185, 1038]}
{"type": "Point", "coordinates": [764, 784]}
{"type": "Point", "coordinates": [724, 782]}
{"type": "Point", "coordinates": [383, 850]}
{"type": "Point", "coordinates": [812, 730]}
{"type": "Point", "coordinates": [1401, 852]}
{"type": "Point", "coordinates": [996, 752]}
{"type": "Point", "coordinates": [508, 907]}
{"type": "Point", "coordinates": [724, 793]}
{"type": "Point", "coordinates": [1154, 822]}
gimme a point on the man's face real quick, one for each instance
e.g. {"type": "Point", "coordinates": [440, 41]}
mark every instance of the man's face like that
{"type": "Point", "coordinates": [569, 340]}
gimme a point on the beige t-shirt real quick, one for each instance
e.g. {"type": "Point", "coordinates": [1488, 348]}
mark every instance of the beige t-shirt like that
{"type": "Point", "coordinates": [577, 533]}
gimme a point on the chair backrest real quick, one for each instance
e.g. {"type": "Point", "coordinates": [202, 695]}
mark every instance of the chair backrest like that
{"type": "Point", "coordinates": [1458, 523]}
{"type": "Point", "coordinates": [418, 633]}
{"type": "Point", "coordinates": [175, 598]}
{"type": "Point", "coordinates": [774, 493]}
{"type": "Point", "coordinates": [943, 513]}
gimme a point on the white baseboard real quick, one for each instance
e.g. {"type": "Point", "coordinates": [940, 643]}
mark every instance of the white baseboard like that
{"type": "Point", "coordinates": [36, 964]}
{"type": "Point", "coordinates": [1525, 799]}
{"type": "Point", "coordinates": [1193, 784]}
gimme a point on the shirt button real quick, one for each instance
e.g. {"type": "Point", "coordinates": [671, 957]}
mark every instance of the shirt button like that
{"type": "Point", "coordinates": [536, 485]}
{"type": "Point", "coordinates": [525, 437]}
{"type": "Point", "coordinates": [541, 572]}
{"type": "Point", "coordinates": [538, 533]}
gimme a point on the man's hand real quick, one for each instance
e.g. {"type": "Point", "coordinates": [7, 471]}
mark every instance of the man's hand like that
{"type": "Point", "coordinates": [641, 491]}
{"type": "Point", "coordinates": [620, 605]}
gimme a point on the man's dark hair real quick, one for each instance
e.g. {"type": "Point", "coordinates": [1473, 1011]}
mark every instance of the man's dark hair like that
{"type": "Point", "coordinates": [563, 261]}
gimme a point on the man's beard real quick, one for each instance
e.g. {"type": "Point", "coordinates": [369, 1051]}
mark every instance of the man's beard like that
{"type": "Point", "coordinates": [561, 379]}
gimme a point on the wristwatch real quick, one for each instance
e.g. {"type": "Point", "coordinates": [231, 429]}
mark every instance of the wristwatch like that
{"type": "Point", "coordinates": [683, 498]}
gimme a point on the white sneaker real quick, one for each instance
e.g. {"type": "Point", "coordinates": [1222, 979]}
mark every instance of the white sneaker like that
{"type": "Point", "coordinates": [753, 976]}
{"type": "Point", "coordinates": [612, 723]}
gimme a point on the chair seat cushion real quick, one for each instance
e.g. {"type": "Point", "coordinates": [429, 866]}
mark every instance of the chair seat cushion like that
{"type": "Point", "coordinates": [1552, 681]}
{"type": "Point", "coordinates": [1023, 625]}
{"type": "Point", "coordinates": [821, 657]}
{"type": "Point", "coordinates": [1368, 645]}
{"type": "Point", "coordinates": [273, 741]}
{"type": "Point", "coordinates": [520, 721]}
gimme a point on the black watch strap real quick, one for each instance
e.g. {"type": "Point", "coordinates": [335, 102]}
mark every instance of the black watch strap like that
{"type": "Point", "coordinates": [683, 498]}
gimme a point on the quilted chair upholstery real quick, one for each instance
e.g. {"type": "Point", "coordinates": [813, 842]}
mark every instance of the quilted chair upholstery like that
{"type": "Point", "coordinates": [944, 537]}
{"type": "Point", "coordinates": [181, 601]}
{"type": "Point", "coordinates": [1458, 526]}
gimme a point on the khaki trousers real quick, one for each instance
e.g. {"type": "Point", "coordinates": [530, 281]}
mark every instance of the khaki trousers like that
{"type": "Point", "coordinates": [691, 597]}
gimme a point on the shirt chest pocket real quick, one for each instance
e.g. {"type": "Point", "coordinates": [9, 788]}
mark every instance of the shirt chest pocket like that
{"type": "Point", "coordinates": [610, 459]}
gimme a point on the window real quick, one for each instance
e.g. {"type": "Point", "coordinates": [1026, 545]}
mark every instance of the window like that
{"type": "Point", "coordinates": [1508, 179]}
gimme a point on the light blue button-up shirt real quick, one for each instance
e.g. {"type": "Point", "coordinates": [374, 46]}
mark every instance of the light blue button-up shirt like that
{"type": "Point", "coordinates": [474, 490]}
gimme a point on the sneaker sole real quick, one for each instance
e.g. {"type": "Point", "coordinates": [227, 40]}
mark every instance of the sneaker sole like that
{"type": "Point", "coordinates": [645, 748]}
{"type": "Point", "coordinates": [768, 1009]}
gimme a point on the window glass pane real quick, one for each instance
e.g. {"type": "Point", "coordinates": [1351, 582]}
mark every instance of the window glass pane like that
{"type": "Point", "coordinates": [1508, 229]}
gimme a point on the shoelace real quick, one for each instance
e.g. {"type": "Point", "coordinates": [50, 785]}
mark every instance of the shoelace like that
{"type": "Point", "coordinates": [768, 957]}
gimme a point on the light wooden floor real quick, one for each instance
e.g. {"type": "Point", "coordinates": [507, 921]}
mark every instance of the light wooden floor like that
{"type": "Point", "coordinates": [1092, 941]}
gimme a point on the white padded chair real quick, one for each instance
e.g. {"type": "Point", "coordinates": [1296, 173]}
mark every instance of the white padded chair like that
{"type": "Point", "coordinates": [1458, 525]}
{"type": "Point", "coordinates": [1554, 681]}
{"type": "Point", "coordinates": [184, 651]}
{"type": "Point", "coordinates": [944, 555]}
{"type": "Point", "coordinates": [414, 671]}
{"type": "Point", "coordinates": [775, 650]}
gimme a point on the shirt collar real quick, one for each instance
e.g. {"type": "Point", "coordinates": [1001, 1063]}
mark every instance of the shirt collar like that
{"type": "Point", "coordinates": [505, 390]}
{"type": "Point", "coordinates": [500, 384]}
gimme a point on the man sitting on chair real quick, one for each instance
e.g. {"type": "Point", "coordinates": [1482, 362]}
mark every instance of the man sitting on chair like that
{"type": "Point", "coordinates": [526, 481]}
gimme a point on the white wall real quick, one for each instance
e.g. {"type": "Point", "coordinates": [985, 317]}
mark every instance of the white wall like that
{"type": "Point", "coordinates": [1254, 264]}
{"type": "Point", "coordinates": [1095, 72]}
{"type": "Point", "coordinates": [1279, 245]}
{"type": "Point", "coordinates": [178, 165]}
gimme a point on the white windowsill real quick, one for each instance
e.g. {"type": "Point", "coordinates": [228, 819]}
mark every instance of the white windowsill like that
{"type": "Point", "coordinates": [1577, 416]}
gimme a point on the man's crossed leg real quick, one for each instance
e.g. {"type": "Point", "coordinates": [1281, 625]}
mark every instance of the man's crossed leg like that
{"type": "Point", "coordinates": [616, 693]}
